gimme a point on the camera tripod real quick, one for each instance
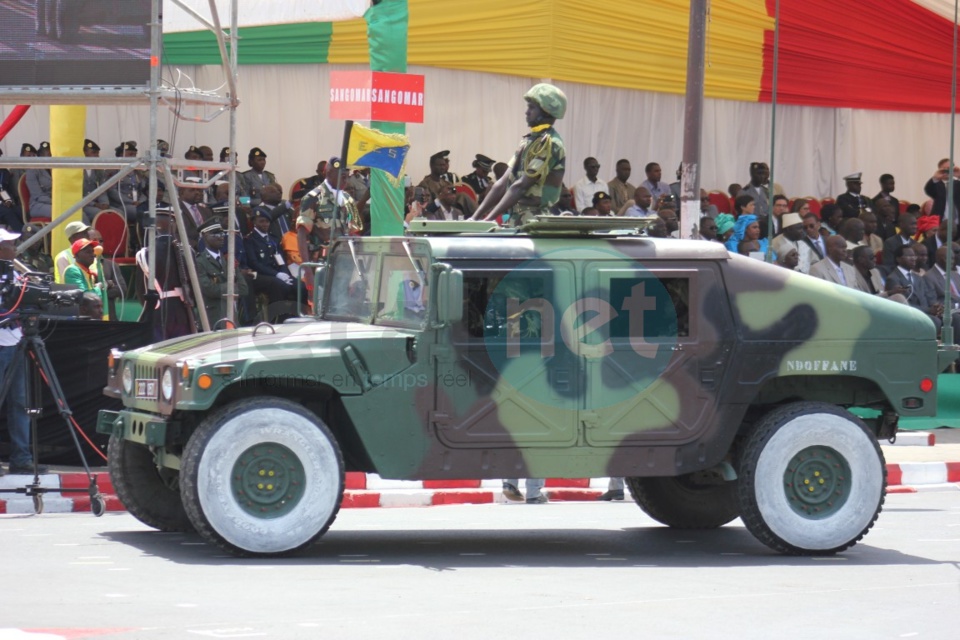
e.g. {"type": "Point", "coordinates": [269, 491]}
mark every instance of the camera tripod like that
{"type": "Point", "coordinates": [31, 348]}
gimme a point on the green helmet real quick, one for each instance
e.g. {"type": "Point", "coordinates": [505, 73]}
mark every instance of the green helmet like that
{"type": "Point", "coordinates": [550, 98]}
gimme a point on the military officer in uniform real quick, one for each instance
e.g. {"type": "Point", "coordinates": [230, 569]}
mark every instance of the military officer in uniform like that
{"type": "Point", "coordinates": [128, 193]}
{"type": "Point", "coordinates": [212, 271]}
{"type": "Point", "coordinates": [93, 178]}
{"type": "Point", "coordinates": [439, 175]}
{"type": "Point", "coordinates": [27, 150]}
{"type": "Point", "coordinates": [270, 273]}
{"type": "Point", "coordinates": [851, 202]}
{"type": "Point", "coordinates": [40, 185]}
{"type": "Point", "coordinates": [534, 177]}
{"type": "Point", "coordinates": [479, 180]}
{"type": "Point", "coordinates": [253, 180]}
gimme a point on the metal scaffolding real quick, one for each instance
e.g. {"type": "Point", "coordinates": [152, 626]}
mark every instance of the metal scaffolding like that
{"type": "Point", "coordinates": [157, 94]}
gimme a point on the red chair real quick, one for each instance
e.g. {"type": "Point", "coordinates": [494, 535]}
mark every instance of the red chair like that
{"type": "Point", "coordinates": [814, 206]}
{"type": "Point", "coordinates": [467, 190]}
{"type": "Point", "coordinates": [825, 201]}
{"type": "Point", "coordinates": [112, 225]}
{"type": "Point", "coordinates": [903, 206]}
{"type": "Point", "coordinates": [720, 200]}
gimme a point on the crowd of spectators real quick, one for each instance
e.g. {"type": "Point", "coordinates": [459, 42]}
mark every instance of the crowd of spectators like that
{"type": "Point", "coordinates": [878, 245]}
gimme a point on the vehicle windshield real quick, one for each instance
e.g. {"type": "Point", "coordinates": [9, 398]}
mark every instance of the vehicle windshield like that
{"type": "Point", "coordinates": [351, 287]}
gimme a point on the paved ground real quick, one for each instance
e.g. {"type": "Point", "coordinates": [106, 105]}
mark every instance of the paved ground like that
{"type": "Point", "coordinates": [573, 570]}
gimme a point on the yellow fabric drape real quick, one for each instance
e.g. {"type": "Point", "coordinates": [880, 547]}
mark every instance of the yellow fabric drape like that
{"type": "Point", "coordinates": [67, 127]}
{"type": "Point", "coordinates": [632, 44]}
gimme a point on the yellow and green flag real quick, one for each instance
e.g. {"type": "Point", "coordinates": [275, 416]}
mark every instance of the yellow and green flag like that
{"type": "Point", "coordinates": [378, 150]}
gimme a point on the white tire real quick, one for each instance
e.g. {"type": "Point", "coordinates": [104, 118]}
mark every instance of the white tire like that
{"type": "Point", "coordinates": [263, 476]}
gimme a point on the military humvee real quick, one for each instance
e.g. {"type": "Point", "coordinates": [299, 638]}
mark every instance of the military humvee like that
{"type": "Point", "coordinates": [716, 384]}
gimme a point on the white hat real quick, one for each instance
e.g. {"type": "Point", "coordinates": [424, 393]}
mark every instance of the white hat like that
{"type": "Point", "coordinates": [8, 235]}
{"type": "Point", "coordinates": [790, 219]}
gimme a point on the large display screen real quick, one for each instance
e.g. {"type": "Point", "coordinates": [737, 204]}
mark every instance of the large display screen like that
{"type": "Point", "coordinates": [69, 43]}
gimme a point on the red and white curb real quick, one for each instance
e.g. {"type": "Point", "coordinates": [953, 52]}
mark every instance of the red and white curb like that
{"type": "Point", "coordinates": [370, 491]}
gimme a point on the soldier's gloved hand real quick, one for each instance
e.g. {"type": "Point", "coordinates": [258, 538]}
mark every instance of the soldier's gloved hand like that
{"type": "Point", "coordinates": [285, 278]}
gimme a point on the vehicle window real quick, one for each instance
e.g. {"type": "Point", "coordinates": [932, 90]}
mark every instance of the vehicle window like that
{"type": "Point", "coordinates": [505, 304]}
{"type": "Point", "coordinates": [351, 287]}
{"type": "Point", "coordinates": [666, 306]}
{"type": "Point", "coordinates": [404, 291]}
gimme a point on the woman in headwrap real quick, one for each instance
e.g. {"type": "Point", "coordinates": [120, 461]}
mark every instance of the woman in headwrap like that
{"type": "Point", "coordinates": [747, 229]}
{"type": "Point", "coordinates": [725, 223]}
{"type": "Point", "coordinates": [926, 227]}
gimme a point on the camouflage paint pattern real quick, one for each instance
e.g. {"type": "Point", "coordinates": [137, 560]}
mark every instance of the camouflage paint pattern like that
{"type": "Point", "coordinates": [584, 356]}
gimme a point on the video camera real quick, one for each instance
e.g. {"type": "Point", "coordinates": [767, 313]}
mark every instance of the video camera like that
{"type": "Point", "coordinates": [32, 294]}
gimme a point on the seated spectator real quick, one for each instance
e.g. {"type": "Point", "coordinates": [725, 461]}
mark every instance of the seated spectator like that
{"type": "Point", "coordinates": [92, 179]}
{"type": "Point", "coordinates": [748, 247]}
{"type": "Point", "coordinates": [793, 238]}
{"type": "Point", "coordinates": [725, 224]}
{"type": "Point", "coordinates": [588, 185]}
{"type": "Point", "coordinates": [936, 275]}
{"type": "Point", "coordinates": [813, 238]}
{"type": "Point", "coordinates": [603, 203]}
{"type": "Point", "coordinates": [669, 217]}
{"type": "Point", "coordinates": [708, 229]}
{"type": "Point", "coordinates": [657, 228]}
{"type": "Point", "coordinates": [111, 277]}
{"type": "Point", "coordinates": [212, 272]}
{"type": "Point", "coordinates": [589, 211]}
{"type": "Point", "coordinates": [9, 200]}
{"type": "Point", "coordinates": [834, 267]}
{"type": "Point", "coordinates": [869, 278]}
{"type": "Point", "coordinates": [91, 306]}
{"type": "Point", "coordinates": [744, 204]}
{"type": "Point", "coordinates": [444, 206]}
{"type": "Point", "coordinates": [788, 259]}
{"type": "Point", "coordinates": [565, 205]}
{"type": "Point", "coordinates": [780, 207]}
{"type": "Point", "coordinates": [831, 216]}
{"type": "Point", "coordinates": [126, 195]}
{"type": "Point", "coordinates": [916, 290]}
{"type": "Point", "coordinates": [935, 241]}
{"type": "Point", "coordinates": [74, 231]}
{"type": "Point", "coordinates": [904, 238]}
{"type": "Point", "coordinates": [40, 185]}
{"type": "Point", "coordinates": [707, 209]}
{"type": "Point", "coordinates": [276, 208]}
{"type": "Point", "coordinates": [926, 227]}
{"type": "Point", "coordinates": [870, 236]}
{"type": "Point", "coordinates": [270, 274]}
{"type": "Point", "coordinates": [733, 189]}
{"type": "Point", "coordinates": [35, 258]}
{"type": "Point", "coordinates": [639, 207]}
{"type": "Point", "coordinates": [921, 252]}
{"type": "Point", "coordinates": [886, 220]}
{"type": "Point", "coordinates": [79, 274]}
{"type": "Point", "coordinates": [746, 228]}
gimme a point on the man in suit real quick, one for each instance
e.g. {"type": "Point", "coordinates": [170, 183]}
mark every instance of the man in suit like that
{"type": "Point", "coordinates": [195, 213]}
{"type": "Point", "coordinates": [934, 242]}
{"type": "Point", "coordinates": [212, 272]}
{"type": "Point", "coordinates": [918, 292]}
{"type": "Point", "coordinates": [936, 188]}
{"type": "Point", "coordinates": [936, 275]}
{"type": "Point", "coordinates": [833, 268]}
{"type": "Point", "coordinates": [93, 178]}
{"type": "Point", "coordinates": [887, 185]}
{"type": "Point", "coordinates": [869, 279]}
{"type": "Point", "coordinates": [812, 237]}
{"type": "Point", "coordinates": [908, 229]}
{"type": "Point", "coordinates": [253, 181]}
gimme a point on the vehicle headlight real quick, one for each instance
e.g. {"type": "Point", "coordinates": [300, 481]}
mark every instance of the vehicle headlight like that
{"type": "Point", "coordinates": [127, 378]}
{"type": "Point", "coordinates": [166, 384]}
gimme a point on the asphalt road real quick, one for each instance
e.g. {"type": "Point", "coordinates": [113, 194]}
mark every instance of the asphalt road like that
{"type": "Point", "coordinates": [574, 570]}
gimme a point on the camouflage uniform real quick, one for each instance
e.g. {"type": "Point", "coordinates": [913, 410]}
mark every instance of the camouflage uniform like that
{"type": "Point", "coordinates": [320, 206]}
{"type": "Point", "coordinates": [541, 152]}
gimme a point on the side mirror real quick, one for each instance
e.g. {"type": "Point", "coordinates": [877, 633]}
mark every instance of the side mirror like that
{"type": "Point", "coordinates": [448, 293]}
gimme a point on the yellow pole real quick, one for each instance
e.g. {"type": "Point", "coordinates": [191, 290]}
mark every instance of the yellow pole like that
{"type": "Point", "coordinates": [67, 129]}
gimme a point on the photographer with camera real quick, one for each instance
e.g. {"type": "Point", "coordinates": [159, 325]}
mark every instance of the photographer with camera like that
{"type": "Point", "coordinates": [13, 363]}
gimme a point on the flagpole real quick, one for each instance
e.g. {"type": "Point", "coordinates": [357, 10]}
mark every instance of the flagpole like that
{"type": "Point", "coordinates": [344, 150]}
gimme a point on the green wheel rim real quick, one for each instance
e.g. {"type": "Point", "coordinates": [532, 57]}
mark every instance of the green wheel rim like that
{"type": "Point", "coordinates": [268, 480]}
{"type": "Point", "coordinates": [817, 482]}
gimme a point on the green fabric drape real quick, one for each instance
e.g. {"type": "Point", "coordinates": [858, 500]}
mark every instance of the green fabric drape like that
{"type": "Point", "coordinates": [301, 43]}
{"type": "Point", "coordinates": [387, 36]}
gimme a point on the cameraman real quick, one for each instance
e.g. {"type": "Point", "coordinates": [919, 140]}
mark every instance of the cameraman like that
{"type": "Point", "coordinates": [12, 363]}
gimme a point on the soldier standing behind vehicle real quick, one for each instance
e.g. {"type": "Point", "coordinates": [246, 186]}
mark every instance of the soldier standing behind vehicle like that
{"type": "Point", "coordinates": [212, 271]}
{"type": "Point", "coordinates": [535, 174]}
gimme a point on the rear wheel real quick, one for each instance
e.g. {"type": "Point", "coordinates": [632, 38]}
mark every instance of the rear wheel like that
{"type": "Point", "coordinates": [812, 479]}
{"type": "Point", "coordinates": [693, 501]}
{"type": "Point", "coordinates": [150, 495]}
{"type": "Point", "coordinates": [262, 477]}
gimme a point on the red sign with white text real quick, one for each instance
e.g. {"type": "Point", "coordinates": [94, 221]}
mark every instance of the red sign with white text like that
{"type": "Point", "coordinates": [375, 95]}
